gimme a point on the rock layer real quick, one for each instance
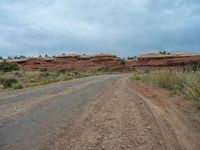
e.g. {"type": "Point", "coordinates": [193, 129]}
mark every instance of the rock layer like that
{"type": "Point", "coordinates": [105, 62]}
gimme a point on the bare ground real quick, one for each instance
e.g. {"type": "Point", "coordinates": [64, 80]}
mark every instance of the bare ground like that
{"type": "Point", "coordinates": [133, 116]}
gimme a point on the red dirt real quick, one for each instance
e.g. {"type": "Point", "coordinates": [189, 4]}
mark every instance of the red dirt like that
{"type": "Point", "coordinates": [132, 116]}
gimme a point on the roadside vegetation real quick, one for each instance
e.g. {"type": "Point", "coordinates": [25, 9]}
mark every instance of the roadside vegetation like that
{"type": "Point", "coordinates": [12, 78]}
{"type": "Point", "coordinates": [185, 83]}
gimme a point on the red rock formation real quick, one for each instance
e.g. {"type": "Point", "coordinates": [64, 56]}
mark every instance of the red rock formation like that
{"type": "Point", "coordinates": [73, 62]}
{"type": "Point", "coordinates": [165, 61]}
{"type": "Point", "coordinates": [105, 62]}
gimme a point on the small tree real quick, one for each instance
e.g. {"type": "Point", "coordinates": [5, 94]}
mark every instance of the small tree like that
{"type": "Point", "coordinates": [22, 57]}
{"type": "Point", "coordinates": [10, 57]}
{"type": "Point", "coordinates": [163, 52]}
{"type": "Point", "coordinates": [132, 58]}
{"type": "Point", "coordinates": [195, 66]}
{"type": "Point", "coordinates": [8, 82]}
{"type": "Point", "coordinates": [121, 60]}
{"type": "Point", "coordinates": [1, 58]}
{"type": "Point", "coordinates": [16, 57]}
{"type": "Point", "coordinates": [8, 67]}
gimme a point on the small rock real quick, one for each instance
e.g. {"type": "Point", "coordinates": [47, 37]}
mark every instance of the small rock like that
{"type": "Point", "coordinates": [103, 147]}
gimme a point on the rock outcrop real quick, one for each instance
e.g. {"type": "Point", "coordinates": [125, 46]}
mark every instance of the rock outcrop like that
{"type": "Point", "coordinates": [73, 62]}
{"type": "Point", "coordinates": [163, 61]}
{"type": "Point", "coordinates": [106, 62]}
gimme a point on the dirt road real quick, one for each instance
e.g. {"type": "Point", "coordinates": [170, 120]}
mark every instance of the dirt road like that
{"type": "Point", "coordinates": [103, 113]}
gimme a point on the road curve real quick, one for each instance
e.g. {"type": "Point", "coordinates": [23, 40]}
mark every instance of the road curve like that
{"type": "Point", "coordinates": [35, 127]}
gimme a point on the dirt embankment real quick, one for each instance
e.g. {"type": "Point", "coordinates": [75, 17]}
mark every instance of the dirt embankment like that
{"type": "Point", "coordinates": [133, 116]}
{"type": "Point", "coordinates": [71, 63]}
{"type": "Point", "coordinates": [160, 62]}
{"type": "Point", "coordinates": [106, 63]}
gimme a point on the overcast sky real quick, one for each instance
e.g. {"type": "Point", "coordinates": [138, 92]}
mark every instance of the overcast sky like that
{"type": "Point", "coordinates": [122, 27]}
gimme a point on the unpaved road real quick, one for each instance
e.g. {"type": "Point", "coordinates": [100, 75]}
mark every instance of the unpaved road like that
{"type": "Point", "coordinates": [100, 113]}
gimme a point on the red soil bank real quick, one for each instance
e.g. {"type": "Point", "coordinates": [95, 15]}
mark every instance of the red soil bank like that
{"type": "Point", "coordinates": [70, 63]}
{"type": "Point", "coordinates": [173, 61]}
{"type": "Point", "coordinates": [105, 62]}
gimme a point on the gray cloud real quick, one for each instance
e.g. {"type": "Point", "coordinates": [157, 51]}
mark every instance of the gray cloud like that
{"type": "Point", "coordinates": [123, 27]}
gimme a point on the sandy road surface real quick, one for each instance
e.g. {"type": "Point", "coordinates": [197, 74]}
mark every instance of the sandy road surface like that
{"type": "Point", "coordinates": [103, 113]}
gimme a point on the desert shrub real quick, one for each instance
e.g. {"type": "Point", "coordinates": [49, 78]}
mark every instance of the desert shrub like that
{"type": "Point", "coordinates": [122, 62]}
{"type": "Point", "coordinates": [66, 77]}
{"type": "Point", "coordinates": [75, 74]}
{"type": "Point", "coordinates": [8, 67]}
{"type": "Point", "coordinates": [132, 58]}
{"type": "Point", "coordinates": [43, 70]}
{"type": "Point", "coordinates": [195, 66]}
{"type": "Point", "coordinates": [33, 84]}
{"type": "Point", "coordinates": [2, 79]}
{"type": "Point", "coordinates": [8, 82]}
{"type": "Point", "coordinates": [136, 77]}
{"type": "Point", "coordinates": [18, 74]}
{"type": "Point", "coordinates": [147, 71]}
{"type": "Point", "coordinates": [45, 74]}
{"type": "Point", "coordinates": [62, 71]}
{"type": "Point", "coordinates": [44, 82]}
{"type": "Point", "coordinates": [104, 69]}
{"type": "Point", "coordinates": [17, 86]}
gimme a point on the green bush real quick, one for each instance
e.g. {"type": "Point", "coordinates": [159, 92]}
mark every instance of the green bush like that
{"type": "Point", "coordinates": [43, 70]}
{"type": "Point", "coordinates": [195, 66]}
{"type": "Point", "coordinates": [62, 71]}
{"type": "Point", "coordinates": [45, 74]}
{"type": "Point", "coordinates": [44, 82]}
{"type": "Point", "coordinates": [8, 82]}
{"type": "Point", "coordinates": [147, 71]}
{"type": "Point", "coordinates": [17, 86]}
{"type": "Point", "coordinates": [2, 79]}
{"type": "Point", "coordinates": [76, 74]}
{"type": "Point", "coordinates": [122, 62]}
{"type": "Point", "coordinates": [136, 77]}
{"type": "Point", "coordinates": [8, 67]}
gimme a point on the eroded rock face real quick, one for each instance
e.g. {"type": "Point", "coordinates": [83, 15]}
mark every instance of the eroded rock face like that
{"type": "Point", "coordinates": [71, 63]}
{"type": "Point", "coordinates": [105, 62]}
{"type": "Point", "coordinates": [164, 61]}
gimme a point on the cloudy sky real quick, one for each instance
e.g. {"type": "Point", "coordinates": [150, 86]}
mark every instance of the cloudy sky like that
{"type": "Point", "coordinates": [122, 27]}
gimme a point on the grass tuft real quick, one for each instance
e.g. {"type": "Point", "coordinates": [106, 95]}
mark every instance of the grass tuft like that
{"type": "Point", "coordinates": [187, 84]}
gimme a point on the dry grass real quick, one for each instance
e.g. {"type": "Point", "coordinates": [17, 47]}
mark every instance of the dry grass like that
{"type": "Point", "coordinates": [187, 84]}
{"type": "Point", "coordinates": [36, 78]}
